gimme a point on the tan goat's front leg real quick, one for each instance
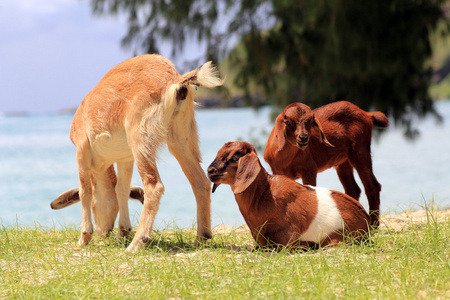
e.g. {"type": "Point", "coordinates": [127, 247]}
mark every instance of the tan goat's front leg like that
{"type": "Point", "coordinates": [125, 172]}
{"type": "Point", "coordinates": [153, 190]}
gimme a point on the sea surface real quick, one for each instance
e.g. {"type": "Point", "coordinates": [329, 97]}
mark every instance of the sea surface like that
{"type": "Point", "coordinates": [37, 163]}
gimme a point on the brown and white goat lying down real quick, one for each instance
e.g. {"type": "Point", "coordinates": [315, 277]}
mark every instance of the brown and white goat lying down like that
{"type": "Point", "coordinates": [305, 142]}
{"type": "Point", "coordinates": [138, 105]}
{"type": "Point", "coordinates": [280, 211]}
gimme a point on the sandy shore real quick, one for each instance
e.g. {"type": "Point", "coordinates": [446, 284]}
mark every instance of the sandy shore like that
{"type": "Point", "coordinates": [398, 222]}
{"type": "Point", "coordinates": [391, 222]}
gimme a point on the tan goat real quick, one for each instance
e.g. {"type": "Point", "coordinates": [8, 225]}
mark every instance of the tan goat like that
{"type": "Point", "coordinates": [138, 105]}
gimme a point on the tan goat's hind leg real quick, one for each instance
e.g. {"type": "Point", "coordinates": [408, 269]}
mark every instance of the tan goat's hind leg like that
{"type": "Point", "coordinates": [153, 190]}
{"type": "Point", "coordinates": [190, 163]}
{"type": "Point", "coordinates": [124, 172]}
{"type": "Point", "coordinates": [85, 193]}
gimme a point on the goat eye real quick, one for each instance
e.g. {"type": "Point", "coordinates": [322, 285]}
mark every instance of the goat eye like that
{"type": "Point", "coordinates": [234, 158]}
{"type": "Point", "coordinates": [287, 123]}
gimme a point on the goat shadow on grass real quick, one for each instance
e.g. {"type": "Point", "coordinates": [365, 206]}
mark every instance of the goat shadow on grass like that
{"type": "Point", "coordinates": [175, 241]}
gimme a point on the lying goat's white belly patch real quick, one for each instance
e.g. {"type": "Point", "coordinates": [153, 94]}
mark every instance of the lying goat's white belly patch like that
{"type": "Point", "coordinates": [327, 220]}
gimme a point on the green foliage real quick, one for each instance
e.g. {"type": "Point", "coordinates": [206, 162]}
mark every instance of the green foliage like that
{"type": "Point", "coordinates": [373, 53]}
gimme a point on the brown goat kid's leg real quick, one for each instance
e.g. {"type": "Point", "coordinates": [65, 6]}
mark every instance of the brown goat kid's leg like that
{"type": "Point", "coordinates": [309, 178]}
{"type": "Point", "coordinates": [332, 240]}
{"type": "Point", "coordinates": [345, 174]}
{"type": "Point", "coordinates": [372, 187]}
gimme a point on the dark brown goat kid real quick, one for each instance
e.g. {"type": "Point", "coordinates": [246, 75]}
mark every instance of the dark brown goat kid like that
{"type": "Point", "coordinates": [305, 142]}
{"type": "Point", "coordinates": [280, 211]}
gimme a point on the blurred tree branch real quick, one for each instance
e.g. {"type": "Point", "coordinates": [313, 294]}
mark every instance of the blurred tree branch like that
{"type": "Point", "coordinates": [373, 53]}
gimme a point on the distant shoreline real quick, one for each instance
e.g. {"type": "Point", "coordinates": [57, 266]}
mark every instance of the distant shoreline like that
{"type": "Point", "coordinates": [203, 103]}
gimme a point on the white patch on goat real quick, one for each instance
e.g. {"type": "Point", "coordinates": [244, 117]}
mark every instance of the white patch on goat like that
{"type": "Point", "coordinates": [327, 220]}
{"type": "Point", "coordinates": [112, 146]}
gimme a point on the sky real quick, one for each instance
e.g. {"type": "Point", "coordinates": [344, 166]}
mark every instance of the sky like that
{"type": "Point", "coordinates": [53, 52]}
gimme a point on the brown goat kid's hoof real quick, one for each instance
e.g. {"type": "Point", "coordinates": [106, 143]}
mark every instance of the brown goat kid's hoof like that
{"type": "Point", "coordinates": [201, 241]}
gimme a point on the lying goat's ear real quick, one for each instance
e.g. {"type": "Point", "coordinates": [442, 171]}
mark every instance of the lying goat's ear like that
{"type": "Point", "coordinates": [67, 198]}
{"type": "Point", "coordinates": [248, 169]}
{"type": "Point", "coordinates": [72, 196]}
{"type": "Point", "coordinates": [318, 126]}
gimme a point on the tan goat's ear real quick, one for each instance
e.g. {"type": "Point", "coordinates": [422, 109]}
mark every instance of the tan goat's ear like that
{"type": "Point", "coordinates": [323, 138]}
{"type": "Point", "coordinates": [279, 130]}
{"type": "Point", "coordinates": [137, 193]}
{"type": "Point", "coordinates": [248, 169]}
{"type": "Point", "coordinates": [67, 198]}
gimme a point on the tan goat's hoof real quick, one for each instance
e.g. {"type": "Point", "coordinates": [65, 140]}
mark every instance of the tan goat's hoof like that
{"type": "Point", "coordinates": [134, 247]}
{"type": "Point", "coordinates": [84, 239]}
{"type": "Point", "coordinates": [124, 232]}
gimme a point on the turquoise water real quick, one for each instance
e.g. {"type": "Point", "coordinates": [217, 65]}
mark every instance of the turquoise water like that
{"type": "Point", "coordinates": [37, 163]}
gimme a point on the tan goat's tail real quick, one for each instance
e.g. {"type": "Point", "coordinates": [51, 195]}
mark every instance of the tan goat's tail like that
{"type": "Point", "coordinates": [207, 75]}
{"type": "Point", "coordinates": [379, 119]}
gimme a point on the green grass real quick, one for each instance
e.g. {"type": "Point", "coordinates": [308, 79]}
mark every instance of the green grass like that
{"type": "Point", "coordinates": [409, 264]}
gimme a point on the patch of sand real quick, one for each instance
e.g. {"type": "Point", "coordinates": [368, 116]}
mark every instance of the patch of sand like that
{"type": "Point", "coordinates": [391, 222]}
{"type": "Point", "coordinates": [398, 222]}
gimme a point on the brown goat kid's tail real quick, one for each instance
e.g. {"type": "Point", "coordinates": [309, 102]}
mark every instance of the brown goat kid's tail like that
{"type": "Point", "coordinates": [206, 75]}
{"type": "Point", "coordinates": [379, 119]}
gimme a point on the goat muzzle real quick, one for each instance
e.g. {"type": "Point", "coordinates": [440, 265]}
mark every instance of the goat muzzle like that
{"type": "Point", "coordinates": [302, 141]}
{"type": "Point", "coordinates": [213, 177]}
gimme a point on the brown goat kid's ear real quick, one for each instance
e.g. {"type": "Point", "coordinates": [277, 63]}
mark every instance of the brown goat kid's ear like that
{"type": "Point", "coordinates": [323, 138]}
{"type": "Point", "coordinates": [67, 198]}
{"type": "Point", "coordinates": [280, 134]}
{"type": "Point", "coordinates": [248, 169]}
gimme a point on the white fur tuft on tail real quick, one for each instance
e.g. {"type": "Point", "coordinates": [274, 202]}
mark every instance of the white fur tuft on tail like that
{"type": "Point", "coordinates": [209, 76]}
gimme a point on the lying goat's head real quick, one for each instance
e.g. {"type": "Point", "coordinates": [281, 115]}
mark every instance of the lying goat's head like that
{"type": "Point", "coordinates": [225, 166]}
{"type": "Point", "coordinates": [294, 125]}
